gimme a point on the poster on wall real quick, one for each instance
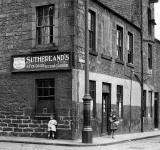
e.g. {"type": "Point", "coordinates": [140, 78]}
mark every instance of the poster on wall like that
{"type": "Point", "coordinates": [41, 62]}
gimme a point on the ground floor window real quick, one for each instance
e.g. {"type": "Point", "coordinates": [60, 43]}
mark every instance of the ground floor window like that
{"type": "Point", "coordinates": [92, 87]}
{"type": "Point", "coordinates": [150, 104]}
{"type": "Point", "coordinates": [120, 100]}
{"type": "Point", "coordinates": [144, 103]}
{"type": "Point", "coordinates": [45, 92]}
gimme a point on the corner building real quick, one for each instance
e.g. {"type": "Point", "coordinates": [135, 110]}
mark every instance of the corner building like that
{"type": "Point", "coordinates": [42, 66]}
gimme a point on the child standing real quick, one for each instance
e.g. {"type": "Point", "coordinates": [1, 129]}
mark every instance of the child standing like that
{"type": "Point", "coordinates": [52, 127]}
{"type": "Point", "coordinates": [114, 122]}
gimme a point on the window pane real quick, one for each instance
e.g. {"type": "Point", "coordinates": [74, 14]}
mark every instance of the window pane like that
{"type": "Point", "coordinates": [46, 11]}
{"type": "Point", "coordinates": [92, 87]}
{"type": "Point", "coordinates": [40, 21]}
{"type": "Point", "coordinates": [52, 83]}
{"type": "Point", "coordinates": [46, 21]}
{"type": "Point", "coordinates": [120, 100]}
{"type": "Point", "coordinates": [51, 10]}
{"type": "Point", "coordinates": [39, 35]}
{"type": "Point", "coordinates": [45, 24]}
{"type": "Point", "coordinates": [89, 21]}
{"type": "Point", "coordinates": [40, 11]}
{"type": "Point", "coordinates": [39, 92]}
{"type": "Point", "coordinates": [51, 91]}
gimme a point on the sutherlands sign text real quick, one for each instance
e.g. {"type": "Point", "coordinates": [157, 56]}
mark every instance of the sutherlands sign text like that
{"type": "Point", "coordinates": [41, 62]}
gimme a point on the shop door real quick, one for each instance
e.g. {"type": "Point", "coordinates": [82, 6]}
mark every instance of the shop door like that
{"type": "Point", "coordinates": [106, 108]}
{"type": "Point", "coordinates": [156, 99]}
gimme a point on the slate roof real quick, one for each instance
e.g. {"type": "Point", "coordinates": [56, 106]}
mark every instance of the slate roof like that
{"type": "Point", "coordinates": [129, 9]}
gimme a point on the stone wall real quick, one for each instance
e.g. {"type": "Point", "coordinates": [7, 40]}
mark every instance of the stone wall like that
{"type": "Point", "coordinates": [18, 100]}
{"type": "Point", "coordinates": [17, 94]}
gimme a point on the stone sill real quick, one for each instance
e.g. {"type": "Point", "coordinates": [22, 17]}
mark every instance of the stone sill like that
{"type": "Point", "coordinates": [93, 53]}
{"type": "Point", "coordinates": [130, 65]}
{"type": "Point", "coordinates": [42, 116]}
{"type": "Point", "coordinates": [45, 48]}
{"type": "Point", "coordinates": [103, 56]}
{"type": "Point", "coordinates": [119, 61]}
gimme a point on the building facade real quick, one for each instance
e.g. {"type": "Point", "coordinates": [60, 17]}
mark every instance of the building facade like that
{"type": "Point", "coordinates": [42, 66]}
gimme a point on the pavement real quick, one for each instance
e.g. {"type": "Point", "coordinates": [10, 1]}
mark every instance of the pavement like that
{"type": "Point", "coordinates": [97, 141]}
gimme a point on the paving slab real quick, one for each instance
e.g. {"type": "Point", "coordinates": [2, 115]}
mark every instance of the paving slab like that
{"type": "Point", "coordinates": [103, 140]}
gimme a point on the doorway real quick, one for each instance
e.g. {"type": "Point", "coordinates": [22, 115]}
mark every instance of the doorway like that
{"type": "Point", "coordinates": [156, 114]}
{"type": "Point", "coordinates": [106, 108]}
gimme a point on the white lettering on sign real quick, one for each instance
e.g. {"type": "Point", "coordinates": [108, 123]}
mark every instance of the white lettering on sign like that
{"type": "Point", "coordinates": [38, 59]}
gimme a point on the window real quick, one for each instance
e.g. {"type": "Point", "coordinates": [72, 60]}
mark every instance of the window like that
{"type": "Point", "coordinates": [149, 56]}
{"type": "Point", "coordinates": [144, 103]}
{"type": "Point", "coordinates": [150, 104]}
{"type": "Point", "coordinates": [119, 43]}
{"type": "Point", "coordinates": [45, 25]}
{"type": "Point", "coordinates": [130, 47]}
{"type": "Point", "coordinates": [92, 29]}
{"type": "Point", "coordinates": [149, 21]}
{"type": "Point", "coordinates": [120, 100]}
{"type": "Point", "coordinates": [92, 87]}
{"type": "Point", "coordinates": [45, 96]}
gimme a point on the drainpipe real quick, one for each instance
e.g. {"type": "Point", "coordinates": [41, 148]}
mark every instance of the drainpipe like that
{"type": "Point", "coordinates": [141, 34]}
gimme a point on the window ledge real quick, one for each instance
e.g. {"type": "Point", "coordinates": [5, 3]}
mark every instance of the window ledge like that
{"type": "Point", "coordinates": [130, 65]}
{"type": "Point", "coordinates": [119, 61]}
{"type": "Point", "coordinates": [42, 116]}
{"type": "Point", "coordinates": [106, 57]}
{"type": "Point", "coordinates": [93, 53]}
{"type": "Point", "coordinates": [45, 48]}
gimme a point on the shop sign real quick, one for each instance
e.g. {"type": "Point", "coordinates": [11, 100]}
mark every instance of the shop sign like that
{"type": "Point", "coordinates": [41, 62]}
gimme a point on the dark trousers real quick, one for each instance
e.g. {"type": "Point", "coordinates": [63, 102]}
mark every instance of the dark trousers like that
{"type": "Point", "coordinates": [51, 135]}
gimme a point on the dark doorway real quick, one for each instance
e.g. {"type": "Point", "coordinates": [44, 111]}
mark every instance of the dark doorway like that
{"type": "Point", "coordinates": [156, 114]}
{"type": "Point", "coordinates": [106, 108]}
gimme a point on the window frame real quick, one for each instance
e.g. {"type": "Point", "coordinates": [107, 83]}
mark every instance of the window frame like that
{"type": "Point", "coordinates": [50, 27]}
{"type": "Point", "coordinates": [119, 43]}
{"type": "Point", "coordinates": [130, 48]}
{"type": "Point", "coordinates": [144, 103]}
{"type": "Point", "coordinates": [92, 89]}
{"type": "Point", "coordinates": [150, 56]}
{"type": "Point", "coordinates": [43, 90]}
{"type": "Point", "coordinates": [150, 99]}
{"type": "Point", "coordinates": [149, 21]}
{"type": "Point", "coordinates": [120, 100]}
{"type": "Point", "coordinates": [92, 30]}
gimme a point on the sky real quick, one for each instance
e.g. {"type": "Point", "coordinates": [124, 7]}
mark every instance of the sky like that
{"type": "Point", "coordinates": [157, 19]}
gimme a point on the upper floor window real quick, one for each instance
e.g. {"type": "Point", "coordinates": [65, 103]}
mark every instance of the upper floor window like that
{"type": "Point", "coordinates": [130, 47]}
{"type": "Point", "coordinates": [119, 43]}
{"type": "Point", "coordinates": [45, 25]}
{"type": "Point", "coordinates": [120, 100]}
{"type": "Point", "coordinates": [149, 21]}
{"type": "Point", "coordinates": [92, 30]}
{"type": "Point", "coordinates": [149, 56]}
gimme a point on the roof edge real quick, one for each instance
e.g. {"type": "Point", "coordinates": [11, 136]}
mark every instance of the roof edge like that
{"type": "Point", "coordinates": [117, 14]}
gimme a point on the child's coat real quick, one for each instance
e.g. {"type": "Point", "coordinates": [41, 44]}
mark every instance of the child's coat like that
{"type": "Point", "coordinates": [52, 125]}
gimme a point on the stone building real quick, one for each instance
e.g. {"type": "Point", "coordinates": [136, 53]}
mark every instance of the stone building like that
{"type": "Point", "coordinates": [42, 66]}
